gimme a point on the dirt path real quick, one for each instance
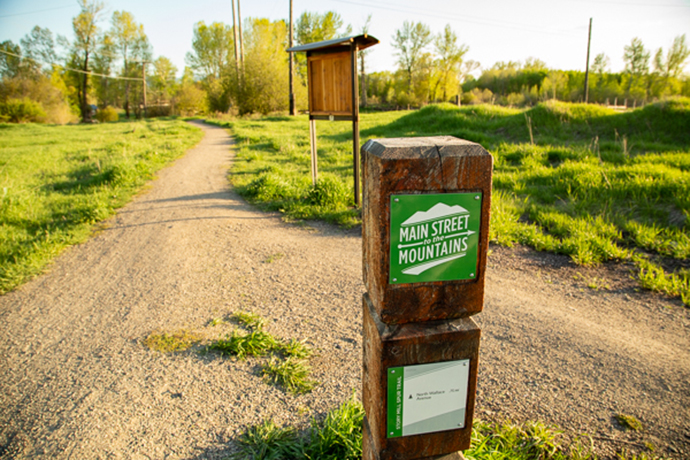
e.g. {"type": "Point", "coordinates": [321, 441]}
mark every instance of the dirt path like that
{"type": "Point", "coordinates": [78, 383]}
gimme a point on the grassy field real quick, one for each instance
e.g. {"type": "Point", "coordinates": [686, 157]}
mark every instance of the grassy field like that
{"type": "Point", "coordinates": [575, 179]}
{"type": "Point", "coordinates": [56, 182]}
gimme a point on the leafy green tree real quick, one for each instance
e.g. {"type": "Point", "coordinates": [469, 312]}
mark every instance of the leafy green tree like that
{"type": "Point", "coordinates": [39, 47]}
{"type": "Point", "coordinates": [411, 42]}
{"type": "Point", "coordinates": [106, 89]}
{"type": "Point", "coordinates": [9, 64]}
{"type": "Point", "coordinates": [315, 27]}
{"type": "Point", "coordinates": [86, 31]}
{"type": "Point", "coordinates": [132, 47]}
{"type": "Point", "coordinates": [448, 62]}
{"type": "Point", "coordinates": [213, 48]}
{"type": "Point", "coordinates": [211, 59]}
{"type": "Point", "coordinates": [671, 67]}
{"type": "Point", "coordinates": [266, 68]}
{"type": "Point", "coordinates": [636, 59]}
{"type": "Point", "coordinates": [163, 84]}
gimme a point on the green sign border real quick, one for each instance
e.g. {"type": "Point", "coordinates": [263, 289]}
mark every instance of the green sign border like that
{"type": "Point", "coordinates": [396, 379]}
{"type": "Point", "coordinates": [462, 211]}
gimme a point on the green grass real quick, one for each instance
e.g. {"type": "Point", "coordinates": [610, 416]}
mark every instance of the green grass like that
{"type": "Point", "coordinates": [339, 437]}
{"type": "Point", "coordinates": [163, 342]}
{"type": "Point", "coordinates": [290, 373]}
{"type": "Point", "coordinates": [629, 422]}
{"type": "Point", "coordinates": [286, 366]}
{"type": "Point", "coordinates": [56, 182]}
{"type": "Point", "coordinates": [596, 185]}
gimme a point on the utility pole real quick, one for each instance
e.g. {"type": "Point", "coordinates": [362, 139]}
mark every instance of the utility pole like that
{"type": "Point", "coordinates": [239, 24]}
{"type": "Point", "coordinates": [589, 42]}
{"type": "Point", "coordinates": [236, 40]}
{"type": "Point", "coordinates": [143, 77]}
{"type": "Point", "coordinates": [293, 109]}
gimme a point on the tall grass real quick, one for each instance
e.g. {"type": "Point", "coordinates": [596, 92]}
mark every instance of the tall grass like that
{"type": "Point", "coordinates": [56, 182]}
{"type": "Point", "coordinates": [580, 179]}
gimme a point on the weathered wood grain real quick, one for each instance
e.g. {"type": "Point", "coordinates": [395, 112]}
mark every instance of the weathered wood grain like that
{"type": "Point", "coordinates": [387, 346]}
{"type": "Point", "coordinates": [441, 164]}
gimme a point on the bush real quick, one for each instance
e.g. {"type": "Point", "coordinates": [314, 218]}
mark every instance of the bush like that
{"type": "Point", "coordinates": [22, 110]}
{"type": "Point", "coordinates": [107, 114]}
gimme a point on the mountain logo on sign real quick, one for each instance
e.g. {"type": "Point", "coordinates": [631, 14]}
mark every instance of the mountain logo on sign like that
{"type": "Point", "coordinates": [433, 237]}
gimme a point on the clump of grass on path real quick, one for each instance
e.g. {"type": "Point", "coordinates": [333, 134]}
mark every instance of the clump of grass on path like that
{"type": "Point", "coordinates": [286, 367]}
{"type": "Point", "coordinates": [56, 182]}
{"type": "Point", "coordinates": [588, 182]}
{"type": "Point", "coordinates": [180, 340]}
{"type": "Point", "coordinates": [339, 437]}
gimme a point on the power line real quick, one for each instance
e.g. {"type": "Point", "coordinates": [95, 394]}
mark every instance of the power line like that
{"type": "Point", "coordinates": [70, 69]}
{"type": "Point", "coordinates": [37, 11]}
{"type": "Point", "coordinates": [452, 17]}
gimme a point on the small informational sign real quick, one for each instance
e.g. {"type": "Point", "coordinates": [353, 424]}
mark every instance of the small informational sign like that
{"type": "Point", "coordinates": [427, 398]}
{"type": "Point", "coordinates": [434, 237]}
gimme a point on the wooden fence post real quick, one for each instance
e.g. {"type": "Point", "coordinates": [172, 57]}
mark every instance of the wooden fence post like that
{"type": "Point", "coordinates": [425, 229]}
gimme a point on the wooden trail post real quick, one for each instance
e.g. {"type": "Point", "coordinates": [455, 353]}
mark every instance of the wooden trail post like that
{"type": "Point", "coordinates": [333, 90]}
{"type": "Point", "coordinates": [425, 230]}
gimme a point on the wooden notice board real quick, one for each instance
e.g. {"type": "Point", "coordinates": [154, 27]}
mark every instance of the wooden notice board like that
{"type": "Point", "coordinates": [333, 90]}
{"type": "Point", "coordinates": [330, 83]}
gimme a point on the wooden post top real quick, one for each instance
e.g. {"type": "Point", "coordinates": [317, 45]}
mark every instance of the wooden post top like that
{"type": "Point", "coordinates": [425, 225]}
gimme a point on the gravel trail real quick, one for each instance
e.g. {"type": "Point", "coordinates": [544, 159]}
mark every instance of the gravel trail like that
{"type": "Point", "coordinates": [77, 382]}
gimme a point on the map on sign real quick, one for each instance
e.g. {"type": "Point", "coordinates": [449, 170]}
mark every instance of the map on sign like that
{"type": "Point", "coordinates": [427, 398]}
{"type": "Point", "coordinates": [434, 237]}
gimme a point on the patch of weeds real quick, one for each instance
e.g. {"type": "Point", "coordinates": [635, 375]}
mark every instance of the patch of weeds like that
{"type": "Point", "coordinates": [291, 373]}
{"type": "Point", "coordinates": [274, 257]}
{"type": "Point", "coordinates": [286, 367]}
{"type": "Point", "coordinates": [294, 348]}
{"type": "Point", "coordinates": [176, 341]}
{"type": "Point", "coordinates": [624, 455]}
{"type": "Point", "coordinates": [267, 441]}
{"type": "Point", "coordinates": [653, 277]}
{"type": "Point", "coordinates": [216, 322]}
{"type": "Point", "coordinates": [596, 284]}
{"type": "Point", "coordinates": [250, 320]}
{"type": "Point", "coordinates": [337, 437]}
{"type": "Point", "coordinates": [629, 422]}
{"type": "Point", "coordinates": [255, 343]}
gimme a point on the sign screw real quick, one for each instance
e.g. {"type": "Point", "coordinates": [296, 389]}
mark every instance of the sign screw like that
{"type": "Point", "coordinates": [392, 372]}
{"type": "Point", "coordinates": [396, 199]}
{"type": "Point", "coordinates": [471, 275]}
{"type": "Point", "coordinates": [391, 433]}
{"type": "Point", "coordinates": [395, 280]}
{"type": "Point", "coordinates": [476, 197]}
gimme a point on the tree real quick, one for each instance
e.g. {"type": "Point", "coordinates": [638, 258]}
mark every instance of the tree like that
{"type": "Point", "coordinates": [672, 66]}
{"type": "Point", "coordinates": [448, 62]}
{"type": "Point", "coordinates": [132, 45]}
{"type": "Point", "coordinates": [39, 47]}
{"type": "Point", "coordinates": [315, 27]}
{"type": "Point", "coordinates": [410, 43]}
{"type": "Point", "coordinates": [636, 59]}
{"type": "Point", "coordinates": [85, 26]}
{"type": "Point", "coordinates": [212, 49]}
{"type": "Point", "coordinates": [601, 64]}
{"type": "Point", "coordinates": [163, 80]}
{"type": "Point", "coordinates": [9, 63]}
{"type": "Point", "coordinates": [363, 54]}
{"type": "Point", "coordinates": [265, 69]}
{"type": "Point", "coordinates": [213, 53]}
{"type": "Point", "coordinates": [104, 58]}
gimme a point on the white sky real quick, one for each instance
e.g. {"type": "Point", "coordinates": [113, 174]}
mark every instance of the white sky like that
{"type": "Point", "coordinates": [554, 31]}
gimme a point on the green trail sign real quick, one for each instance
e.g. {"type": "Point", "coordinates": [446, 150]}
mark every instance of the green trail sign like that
{"type": "Point", "coordinates": [434, 237]}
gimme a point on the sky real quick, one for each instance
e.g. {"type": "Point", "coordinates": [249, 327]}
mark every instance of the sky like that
{"type": "Point", "coordinates": [554, 31]}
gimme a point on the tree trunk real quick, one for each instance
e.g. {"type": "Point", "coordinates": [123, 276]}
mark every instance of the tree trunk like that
{"type": "Point", "coordinates": [85, 110]}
